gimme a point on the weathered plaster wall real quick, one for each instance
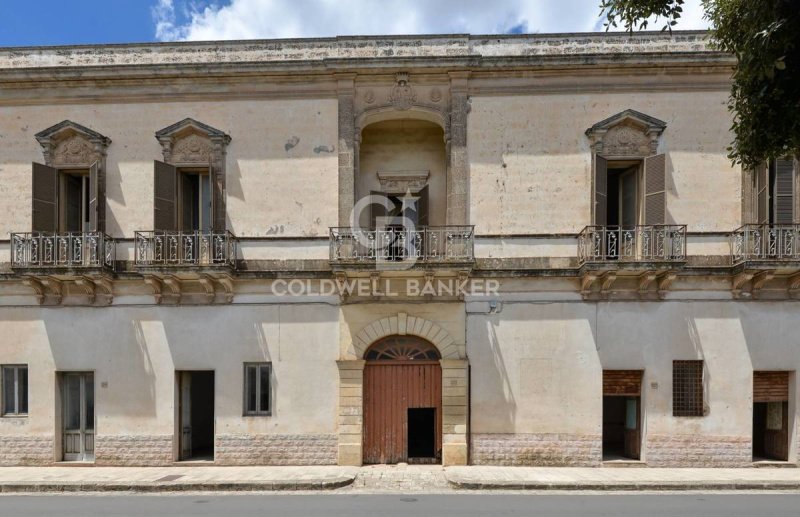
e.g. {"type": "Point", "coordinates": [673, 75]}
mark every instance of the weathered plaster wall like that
{"type": "Point", "coordinates": [281, 162]}
{"type": "Point", "coordinates": [537, 370]}
{"type": "Point", "coordinates": [135, 352]}
{"type": "Point", "coordinates": [530, 161]}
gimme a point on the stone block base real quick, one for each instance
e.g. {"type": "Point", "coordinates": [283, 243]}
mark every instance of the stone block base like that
{"type": "Point", "coordinates": [26, 450]}
{"type": "Point", "coordinates": [537, 450]}
{"type": "Point", "coordinates": [276, 449]}
{"type": "Point", "coordinates": [698, 451]}
{"type": "Point", "coordinates": [134, 450]}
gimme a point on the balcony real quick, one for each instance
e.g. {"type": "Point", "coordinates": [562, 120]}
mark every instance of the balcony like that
{"type": "Point", "coordinates": [766, 244]}
{"type": "Point", "coordinates": [187, 250]}
{"type": "Point", "coordinates": [401, 247]}
{"type": "Point", "coordinates": [62, 252]}
{"type": "Point", "coordinates": [632, 244]}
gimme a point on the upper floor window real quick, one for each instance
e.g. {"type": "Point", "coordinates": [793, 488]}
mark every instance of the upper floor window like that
{"type": "Point", "coordinates": [15, 389]}
{"type": "Point", "coordinates": [629, 177]}
{"type": "Point", "coordinates": [775, 191]}
{"type": "Point", "coordinates": [189, 184]}
{"type": "Point", "coordinates": [69, 189]}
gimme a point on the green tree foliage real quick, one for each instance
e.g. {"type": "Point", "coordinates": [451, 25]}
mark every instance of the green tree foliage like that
{"type": "Point", "coordinates": [764, 35]}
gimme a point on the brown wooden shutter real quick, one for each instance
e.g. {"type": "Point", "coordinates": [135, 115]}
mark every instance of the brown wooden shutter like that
{"type": "Point", "coordinates": [422, 207]}
{"type": "Point", "coordinates": [376, 209]}
{"type": "Point", "coordinates": [94, 214]}
{"type": "Point", "coordinates": [622, 382]}
{"type": "Point", "coordinates": [217, 200]}
{"type": "Point", "coordinates": [762, 194]}
{"type": "Point", "coordinates": [45, 199]}
{"type": "Point", "coordinates": [784, 191]}
{"type": "Point", "coordinates": [770, 386]}
{"type": "Point", "coordinates": [165, 196]}
{"type": "Point", "coordinates": [655, 189]}
{"type": "Point", "coordinates": [600, 190]}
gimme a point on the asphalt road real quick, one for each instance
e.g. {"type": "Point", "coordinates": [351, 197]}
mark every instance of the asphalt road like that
{"type": "Point", "coordinates": [461, 505]}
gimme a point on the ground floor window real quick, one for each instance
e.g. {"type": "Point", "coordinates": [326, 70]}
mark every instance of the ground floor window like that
{"type": "Point", "coordinates": [15, 389]}
{"type": "Point", "coordinates": [687, 388]}
{"type": "Point", "coordinates": [257, 389]}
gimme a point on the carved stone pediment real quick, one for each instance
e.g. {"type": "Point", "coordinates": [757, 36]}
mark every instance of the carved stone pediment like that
{"type": "Point", "coordinates": [628, 133]}
{"type": "Point", "coordinates": [190, 142]}
{"type": "Point", "coordinates": [68, 144]}
{"type": "Point", "coordinates": [403, 181]}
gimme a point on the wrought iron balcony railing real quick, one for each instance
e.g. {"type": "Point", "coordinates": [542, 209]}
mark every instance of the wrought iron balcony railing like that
{"type": "Point", "coordinates": [62, 250]}
{"type": "Point", "coordinates": [429, 244]}
{"type": "Point", "coordinates": [650, 243]}
{"type": "Point", "coordinates": [184, 249]}
{"type": "Point", "coordinates": [766, 242]}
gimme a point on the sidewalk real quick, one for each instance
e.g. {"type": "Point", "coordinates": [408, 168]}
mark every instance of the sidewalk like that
{"type": "Point", "coordinates": [170, 479]}
{"type": "Point", "coordinates": [388, 479]}
{"type": "Point", "coordinates": [543, 478]}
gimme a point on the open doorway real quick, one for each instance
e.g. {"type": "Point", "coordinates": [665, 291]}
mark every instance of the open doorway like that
{"type": "Point", "coordinates": [770, 416]}
{"type": "Point", "coordinates": [623, 194]}
{"type": "Point", "coordinates": [196, 412]}
{"type": "Point", "coordinates": [422, 435]}
{"type": "Point", "coordinates": [622, 415]}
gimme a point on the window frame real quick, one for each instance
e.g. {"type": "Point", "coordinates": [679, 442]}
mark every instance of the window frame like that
{"type": "Point", "coordinates": [84, 175]}
{"type": "Point", "coordinates": [257, 412]}
{"type": "Point", "coordinates": [4, 411]}
{"type": "Point", "coordinates": [690, 409]}
{"type": "Point", "coordinates": [204, 180]}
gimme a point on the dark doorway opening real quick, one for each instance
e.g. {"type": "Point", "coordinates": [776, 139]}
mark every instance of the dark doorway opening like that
{"type": "Point", "coordinates": [620, 428]}
{"type": "Point", "coordinates": [197, 415]}
{"type": "Point", "coordinates": [421, 434]}
{"type": "Point", "coordinates": [770, 431]}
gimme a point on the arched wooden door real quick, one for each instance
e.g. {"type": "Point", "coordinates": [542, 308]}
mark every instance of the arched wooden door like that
{"type": "Point", "coordinates": [402, 402]}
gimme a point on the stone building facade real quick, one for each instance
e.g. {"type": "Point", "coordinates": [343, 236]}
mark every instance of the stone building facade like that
{"type": "Point", "coordinates": [501, 250]}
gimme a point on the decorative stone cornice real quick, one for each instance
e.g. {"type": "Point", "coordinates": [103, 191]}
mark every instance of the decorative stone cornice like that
{"type": "Point", "coordinates": [403, 181]}
{"type": "Point", "coordinates": [69, 144]}
{"type": "Point", "coordinates": [628, 133]}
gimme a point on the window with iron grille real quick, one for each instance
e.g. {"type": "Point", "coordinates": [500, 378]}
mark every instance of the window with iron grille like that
{"type": "Point", "coordinates": [687, 388]}
{"type": "Point", "coordinates": [15, 390]}
{"type": "Point", "coordinates": [257, 389]}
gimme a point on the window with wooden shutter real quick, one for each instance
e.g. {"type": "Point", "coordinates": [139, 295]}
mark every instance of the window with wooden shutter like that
{"type": "Point", "coordinates": [600, 190]}
{"type": "Point", "coordinates": [783, 191]}
{"type": "Point", "coordinates": [165, 196]}
{"type": "Point", "coordinates": [762, 194]}
{"type": "Point", "coordinates": [655, 189]}
{"type": "Point", "coordinates": [45, 198]}
{"type": "Point", "coordinates": [94, 213]}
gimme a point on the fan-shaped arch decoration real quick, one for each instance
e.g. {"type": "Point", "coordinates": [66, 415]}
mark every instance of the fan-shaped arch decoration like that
{"type": "Point", "coordinates": [402, 348]}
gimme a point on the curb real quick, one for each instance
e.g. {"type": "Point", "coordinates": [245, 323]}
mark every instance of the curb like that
{"type": "Point", "coordinates": [626, 486]}
{"type": "Point", "coordinates": [153, 487]}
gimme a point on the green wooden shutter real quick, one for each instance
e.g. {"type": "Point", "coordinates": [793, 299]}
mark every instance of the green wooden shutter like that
{"type": "Point", "coordinates": [600, 190]}
{"type": "Point", "coordinates": [655, 189]}
{"type": "Point", "coordinates": [784, 191]}
{"type": "Point", "coordinates": [45, 198]}
{"type": "Point", "coordinates": [165, 196]}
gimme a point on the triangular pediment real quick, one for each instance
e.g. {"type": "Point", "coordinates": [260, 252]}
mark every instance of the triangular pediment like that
{"type": "Point", "coordinates": [631, 117]}
{"type": "Point", "coordinates": [68, 127]}
{"type": "Point", "coordinates": [189, 125]}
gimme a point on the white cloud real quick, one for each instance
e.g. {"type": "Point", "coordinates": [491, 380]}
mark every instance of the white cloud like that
{"type": "Point", "coordinates": [247, 19]}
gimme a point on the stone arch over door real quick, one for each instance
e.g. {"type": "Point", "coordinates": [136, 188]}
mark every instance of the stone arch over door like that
{"type": "Point", "coordinates": [455, 387]}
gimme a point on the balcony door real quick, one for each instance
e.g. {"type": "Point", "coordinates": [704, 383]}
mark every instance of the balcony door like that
{"type": "Point", "coordinates": [65, 200]}
{"type": "Point", "coordinates": [402, 209]}
{"type": "Point", "coordinates": [77, 400]}
{"type": "Point", "coordinates": [194, 200]}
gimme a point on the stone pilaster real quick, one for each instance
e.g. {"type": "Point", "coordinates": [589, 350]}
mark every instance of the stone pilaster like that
{"type": "Point", "coordinates": [347, 149]}
{"type": "Point", "coordinates": [455, 411]}
{"type": "Point", "coordinates": [458, 165]}
{"type": "Point", "coordinates": [351, 411]}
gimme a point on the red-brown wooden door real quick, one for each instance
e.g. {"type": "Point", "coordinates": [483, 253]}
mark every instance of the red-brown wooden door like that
{"type": "Point", "coordinates": [391, 388]}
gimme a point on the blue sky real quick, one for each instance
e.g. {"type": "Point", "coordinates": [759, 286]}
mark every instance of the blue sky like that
{"type": "Point", "coordinates": [69, 22]}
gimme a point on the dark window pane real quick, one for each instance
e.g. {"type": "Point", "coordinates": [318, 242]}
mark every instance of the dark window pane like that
{"type": "Point", "coordinates": [250, 389]}
{"type": "Point", "coordinates": [264, 395]}
{"type": "Point", "coordinates": [89, 387]}
{"type": "Point", "coordinates": [9, 401]}
{"type": "Point", "coordinates": [72, 402]}
{"type": "Point", "coordinates": [22, 390]}
{"type": "Point", "coordinates": [72, 203]}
